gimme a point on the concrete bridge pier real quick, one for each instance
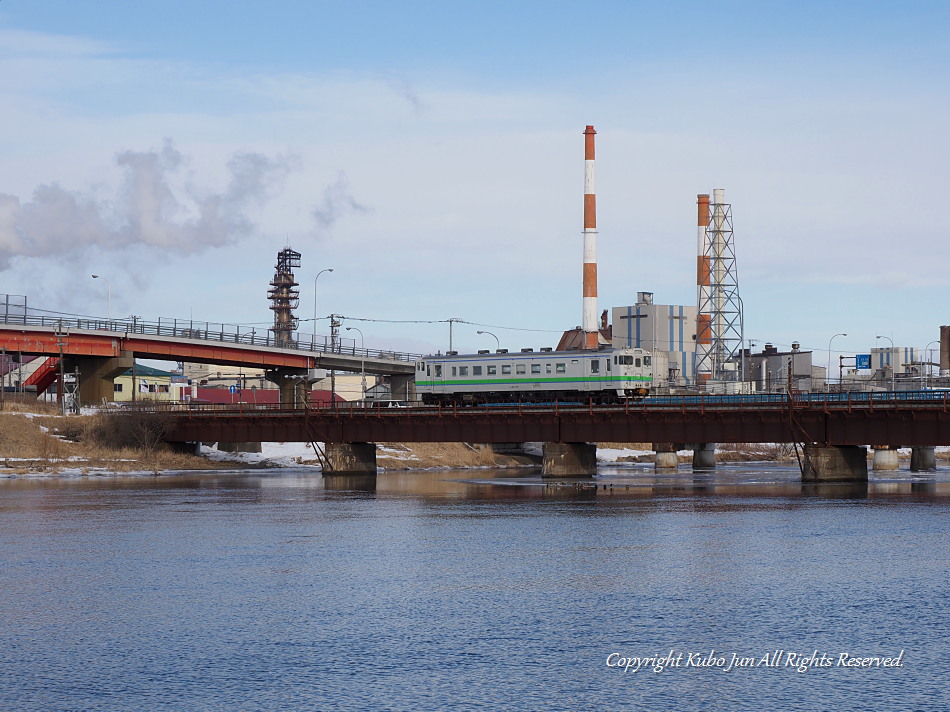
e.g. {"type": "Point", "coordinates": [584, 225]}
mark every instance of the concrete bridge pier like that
{"type": "Point", "coordinates": [666, 457]}
{"type": "Point", "coordinates": [923, 459]}
{"type": "Point", "coordinates": [835, 463]}
{"type": "Point", "coordinates": [292, 384]}
{"type": "Point", "coordinates": [704, 456]}
{"type": "Point", "coordinates": [885, 458]}
{"type": "Point", "coordinates": [351, 458]}
{"type": "Point", "coordinates": [97, 373]}
{"type": "Point", "coordinates": [569, 460]}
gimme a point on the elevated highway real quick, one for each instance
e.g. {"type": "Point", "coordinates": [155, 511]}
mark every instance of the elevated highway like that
{"type": "Point", "coordinates": [101, 349]}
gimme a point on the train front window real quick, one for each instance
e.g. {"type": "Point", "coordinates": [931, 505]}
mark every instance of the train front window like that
{"type": "Point", "coordinates": [647, 360]}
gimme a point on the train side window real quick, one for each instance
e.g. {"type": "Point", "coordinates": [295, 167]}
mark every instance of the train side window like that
{"type": "Point", "coordinates": [463, 370]}
{"type": "Point", "coordinates": [476, 370]}
{"type": "Point", "coordinates": [520, 369]}
{"type": "Point", "coordinates": [547, 368]}
{"type": "Point", "coordinates": [454, 371]}
{"type": "Point", "coordinates": [536, 368]}
{"type": "Point", "coordinates": [506, 369]}
{"type": "Point", "coordinates": [492, 370]}
{"type": "Point", "coordinates": [560, 367]}
{"type": "Point", "coordinates": [438, 370]}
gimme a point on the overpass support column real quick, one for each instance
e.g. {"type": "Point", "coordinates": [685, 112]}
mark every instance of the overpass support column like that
{"type": "Point", "coordinates": [835, 463]}
{"type": "Point", "coordinates": [704, 456]}
{"type": "Point", "coordinates": [569, 460]}
{"type": "Point", "coordinates": [96, 374]}
{"type": "Point", "coordinates": [292, 385]}
{"type": "Point", "coordinates": [923, 459]}
{"type": "Point", "coordinates": [351, 458]}
{"type": "Point", "coordinates": [402, 387]}
{"type": "Point", "coordinates": [885, 458]}
{"type": "Point", "coordinates": [666, 457]}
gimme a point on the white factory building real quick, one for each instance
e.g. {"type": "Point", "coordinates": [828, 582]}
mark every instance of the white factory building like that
{"type": "Point", "coordinates": [668, 330]}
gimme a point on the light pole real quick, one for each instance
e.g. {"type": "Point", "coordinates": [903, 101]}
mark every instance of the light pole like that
{"type": "Point", "coordinates": [497, 342]}
{"type": "Point", "coordinates": [930, 359]}
{"type": "Point", "coordinates": [328, 269]}
{"type": "Point", "coordinates": [828, 367]}
{"type": "Point", "coordinates": [451, 321]}
{"type": "Point", "coordinates": [889, 355]}
{"type": "Point", "coordinates": [109, 293]}
{"type": "Point", "coordinates": [362, 360]}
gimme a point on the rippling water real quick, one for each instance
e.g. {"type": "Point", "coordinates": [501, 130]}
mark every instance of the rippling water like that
{"type": "Point", "coordinates": [469, 591]}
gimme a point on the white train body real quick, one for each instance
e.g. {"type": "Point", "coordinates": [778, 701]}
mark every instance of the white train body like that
{"type": "Point", "coordinates": [608, 375]}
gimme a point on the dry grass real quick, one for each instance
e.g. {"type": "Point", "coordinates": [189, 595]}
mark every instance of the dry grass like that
{"type": "Point", "coordinates": [412, 456]}
{"type": "Point", "coordinates": [80, 442]}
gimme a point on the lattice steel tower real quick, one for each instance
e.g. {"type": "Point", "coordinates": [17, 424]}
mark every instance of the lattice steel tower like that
{"type": "Point", "coordinates": [719, 321]}
{"type": "Point", "coordinates": [284, 297]}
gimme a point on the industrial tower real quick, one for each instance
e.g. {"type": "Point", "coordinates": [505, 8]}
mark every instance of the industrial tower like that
{"type": "Point", "coordinates": [284, 297]}
{"type": "Point", "coordinates": [719, 318]}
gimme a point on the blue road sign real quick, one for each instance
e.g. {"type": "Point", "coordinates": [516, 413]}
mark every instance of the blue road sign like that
{"type": "Point", "coordinates": [862, 361]}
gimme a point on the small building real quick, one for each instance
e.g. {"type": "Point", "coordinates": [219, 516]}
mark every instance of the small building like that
{"type": "Point", "coordinates": [773, 371]}
{"type": "Point", "coordinates": [146, 383]}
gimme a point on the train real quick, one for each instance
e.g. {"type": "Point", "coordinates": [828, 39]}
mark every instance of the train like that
{"type": "Point", "coordinates": [603, 376]}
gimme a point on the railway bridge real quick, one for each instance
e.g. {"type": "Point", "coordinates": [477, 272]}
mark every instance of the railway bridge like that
{"type": "Point", "coordinates": [834, 429]}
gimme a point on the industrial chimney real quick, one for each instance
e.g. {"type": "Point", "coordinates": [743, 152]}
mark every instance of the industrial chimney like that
{"type": "Point", "coordinates": [589, 322]}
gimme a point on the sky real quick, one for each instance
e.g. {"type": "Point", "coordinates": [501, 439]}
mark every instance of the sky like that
{"type": "Point", "coordinates": [431, 154]}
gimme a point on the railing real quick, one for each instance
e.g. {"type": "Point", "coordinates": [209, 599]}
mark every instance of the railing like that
{"type": "Point", "coordinates": [208, 331]}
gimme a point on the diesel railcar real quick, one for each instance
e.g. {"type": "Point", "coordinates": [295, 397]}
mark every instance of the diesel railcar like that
{"type": "Point", "coordinates": [609, 375]}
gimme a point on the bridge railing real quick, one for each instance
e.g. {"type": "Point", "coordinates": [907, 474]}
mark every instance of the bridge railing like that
{"type": "Point", "coordinates": [208, 331]}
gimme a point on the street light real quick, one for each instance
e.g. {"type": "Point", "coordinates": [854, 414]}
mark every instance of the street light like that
{"type": "Point", "coordinates": [497, 342]}
{"type": "Point", "coordinates": [362, 359]}
{"type": "Point", "coordinates": [930, 359]}
{"type": "Point", "coordinates": [328, 269]}
{"type": "Point", "coordinates": [109, 288]}
{"type": "Point", "coordinates": [828, 368]}
{"type": "Point", "coordinates": [893, 374]}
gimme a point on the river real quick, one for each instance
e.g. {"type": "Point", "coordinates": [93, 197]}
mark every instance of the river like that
{"type": "Point", "coordinates": [739, 589]}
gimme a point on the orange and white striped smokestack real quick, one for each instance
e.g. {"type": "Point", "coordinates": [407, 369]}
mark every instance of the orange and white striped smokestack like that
{"type": "Point", "coordinates": [589, 322]}
{"type": "Point", "coordinates": [703, 288]}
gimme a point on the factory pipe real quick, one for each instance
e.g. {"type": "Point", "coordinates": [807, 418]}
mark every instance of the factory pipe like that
{"type": "Point", "coordinates": [589, 322]}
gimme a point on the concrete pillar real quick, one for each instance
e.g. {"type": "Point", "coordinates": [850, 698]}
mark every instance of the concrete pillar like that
{"type": "Point", "coordinates": [569, 460]}
{"type": "Point", "coordinates": [293, 389]}
{"type": "Point", "coordinates": [96, 374]}
{"type": "Point", "coordinates": [704, 456]}
{"type": "Point", "coordinates": [351, 458]}
{"type": "Point", "coordinates": [239, 447]}
{"type": "Point", "coordinates": [923, 459]}
{"type": "Point", "coordinates": [402, 387]}
{"type": "Point", "coordinates": [666, 457]}
{"type": "Point", "coordinates": [835, 463]}
{"type": "Point", "coordinates": [885, 458]}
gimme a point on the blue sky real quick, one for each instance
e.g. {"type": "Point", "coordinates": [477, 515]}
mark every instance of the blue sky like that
{"type": "Point", "coordinates": [431, 154]}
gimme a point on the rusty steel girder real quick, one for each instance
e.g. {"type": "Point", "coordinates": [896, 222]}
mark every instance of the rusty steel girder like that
{"type": "Point", "coordinates": [852, 426]}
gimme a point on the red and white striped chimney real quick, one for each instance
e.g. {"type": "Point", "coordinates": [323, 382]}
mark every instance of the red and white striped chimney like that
{"type": "Point", "coordinates": [589, 322]}
{"type": "Point", "coordinates": [703, 289]}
